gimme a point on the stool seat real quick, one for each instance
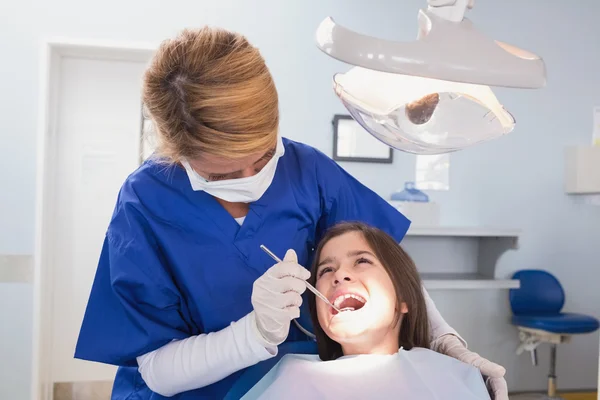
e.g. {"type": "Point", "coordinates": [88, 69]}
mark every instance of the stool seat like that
{"type": "Point", "coordinates": [561, 323]}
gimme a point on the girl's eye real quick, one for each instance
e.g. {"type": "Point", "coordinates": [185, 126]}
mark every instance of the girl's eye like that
{"type": "Point", "coordinates": [363, 260]}
{"type": "Point", "coordinates": [324, 271]}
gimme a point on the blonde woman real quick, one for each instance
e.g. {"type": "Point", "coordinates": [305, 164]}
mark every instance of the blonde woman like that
{"type": "Point", "coordinates": [184, 299]}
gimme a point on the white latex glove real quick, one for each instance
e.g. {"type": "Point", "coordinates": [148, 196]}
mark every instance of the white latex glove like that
{"type": "Point", "coordinates": [451, 346]}
{"type": "Point", "coordinates": [276, 298]}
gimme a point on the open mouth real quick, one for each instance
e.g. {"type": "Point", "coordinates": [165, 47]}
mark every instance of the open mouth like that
{"type": "Point", "coordinates": [348, 302]}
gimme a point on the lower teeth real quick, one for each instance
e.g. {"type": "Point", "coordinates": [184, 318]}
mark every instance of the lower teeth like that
{"type": "Point", "coordinates": [347, 309]}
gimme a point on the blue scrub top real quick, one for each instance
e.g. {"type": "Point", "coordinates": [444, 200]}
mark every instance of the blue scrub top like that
{"type": "Point", "coordinates": [175, 263]}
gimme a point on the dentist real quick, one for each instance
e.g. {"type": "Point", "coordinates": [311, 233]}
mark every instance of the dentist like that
{"type": "Point", "coordinates": [183, 298]}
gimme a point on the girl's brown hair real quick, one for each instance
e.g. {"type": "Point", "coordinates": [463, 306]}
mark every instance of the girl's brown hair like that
{"type": "Point", "coordinates": [414, 328]}
{"type": "Point", "coordinates": [209, 91]}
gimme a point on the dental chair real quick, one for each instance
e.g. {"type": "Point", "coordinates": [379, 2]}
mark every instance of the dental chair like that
{"type": "Point", "coordinates": [536, 308]}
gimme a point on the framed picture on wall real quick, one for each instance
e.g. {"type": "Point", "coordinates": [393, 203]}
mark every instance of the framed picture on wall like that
{"type": "Point", "coordinates": [352, 143]}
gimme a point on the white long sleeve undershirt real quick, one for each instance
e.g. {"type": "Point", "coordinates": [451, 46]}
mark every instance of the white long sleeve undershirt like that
{"type": "Point", "coordinates": [199, 361]}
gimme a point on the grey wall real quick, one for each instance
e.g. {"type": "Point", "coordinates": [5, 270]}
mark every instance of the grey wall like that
{"type": "Point", "coordinates": [515, 181]}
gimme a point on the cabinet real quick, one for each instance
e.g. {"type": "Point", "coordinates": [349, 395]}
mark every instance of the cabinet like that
{"type": "Point", "coordinates": [582, 169]}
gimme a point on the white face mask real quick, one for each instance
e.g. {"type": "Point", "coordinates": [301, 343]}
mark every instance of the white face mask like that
{"type": "Point", "coordinates": [242, 190]}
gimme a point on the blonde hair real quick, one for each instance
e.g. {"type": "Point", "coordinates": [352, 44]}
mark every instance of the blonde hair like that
{"type": "Point", "coordinates": [209, 91]}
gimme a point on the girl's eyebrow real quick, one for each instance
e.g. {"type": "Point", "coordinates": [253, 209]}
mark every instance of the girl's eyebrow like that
{"type": "Point", "coordinates": [327, 260]}
{"type": "Point", "coordinates": [359, 253]}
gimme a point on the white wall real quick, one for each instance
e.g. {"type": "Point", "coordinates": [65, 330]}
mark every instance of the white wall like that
{"type": "Point", "coordinates": [16, 303]}
{"type": "Point", "coordinates": [515, 181]}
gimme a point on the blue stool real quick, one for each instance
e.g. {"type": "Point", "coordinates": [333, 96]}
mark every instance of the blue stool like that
{"type": "Point", "coordinates": [536, 308]}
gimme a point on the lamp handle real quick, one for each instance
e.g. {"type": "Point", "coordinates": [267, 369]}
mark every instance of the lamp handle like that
{"type": "Point", "coordinates": [451, 10]}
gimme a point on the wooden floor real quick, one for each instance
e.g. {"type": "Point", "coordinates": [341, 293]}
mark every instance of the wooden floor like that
{"type": "Point", "coordinates": [82, 391]}
{"type": "Point", "coordinates": [580, 396]}
{"type": "Point", "coordinates": [563, 396]}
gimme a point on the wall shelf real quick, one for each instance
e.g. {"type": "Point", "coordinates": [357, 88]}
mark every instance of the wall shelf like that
{"type": "Point", "coordinates": [440, 281]}
{"type": "Point", "coordinates": [462, 231]}
{"type": "Point", "coordinates": [461, 258]}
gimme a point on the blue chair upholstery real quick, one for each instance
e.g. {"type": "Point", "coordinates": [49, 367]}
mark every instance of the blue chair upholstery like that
{"type": "Point", "coordinates": [565, 323]}
{"type": "Point", "coordinates": [537, 304]}
{"type": "Point", "coordinates": [536, 308]}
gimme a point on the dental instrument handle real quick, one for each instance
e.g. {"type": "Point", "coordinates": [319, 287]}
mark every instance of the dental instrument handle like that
{"type": "Point", "coordinates": [321, 296]}
{"type": "Point", "coordinates": [308, 285]}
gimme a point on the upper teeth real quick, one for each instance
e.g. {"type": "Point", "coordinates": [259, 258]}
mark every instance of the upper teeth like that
{"type": "Point", "coordinates": [343, 297]}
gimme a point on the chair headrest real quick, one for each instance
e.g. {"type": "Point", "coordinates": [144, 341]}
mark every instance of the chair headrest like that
{"type": "Point", "coordinates": [540, 293]}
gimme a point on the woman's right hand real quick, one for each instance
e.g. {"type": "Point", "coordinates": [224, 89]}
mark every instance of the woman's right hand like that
{"type": "Point", "coordinates": [277, 296]}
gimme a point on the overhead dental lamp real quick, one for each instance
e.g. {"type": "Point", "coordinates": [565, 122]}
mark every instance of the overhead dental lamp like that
{"type": "Point", "coordinates": [432, 95]}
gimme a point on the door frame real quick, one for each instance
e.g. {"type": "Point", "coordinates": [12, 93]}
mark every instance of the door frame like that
{"type": "Point", "coordinates": [53, 51]}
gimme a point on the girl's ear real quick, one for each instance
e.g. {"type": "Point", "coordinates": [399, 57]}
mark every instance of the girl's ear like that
{"type": "Point", "coordinates": [403, 308]}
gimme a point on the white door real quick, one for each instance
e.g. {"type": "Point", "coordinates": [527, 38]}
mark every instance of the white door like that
{"type": "Point", "coordinates": [97, 144]}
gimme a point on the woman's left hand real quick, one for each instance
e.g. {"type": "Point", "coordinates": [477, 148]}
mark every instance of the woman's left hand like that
{"type": "Point", "coordinates": [451, 346]}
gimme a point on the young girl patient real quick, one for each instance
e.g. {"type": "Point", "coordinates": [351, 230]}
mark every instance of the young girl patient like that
{"type": "Point", "coordinates": [377, 346]}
